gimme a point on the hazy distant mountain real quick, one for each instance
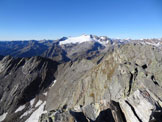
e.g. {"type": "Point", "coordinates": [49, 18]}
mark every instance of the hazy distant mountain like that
{"type": "Point", "coordinates": [64, 49]}
{"type": "Point", "coordinates": [24, 48]}
{"type": "Point", "coordinates": [67, 48]}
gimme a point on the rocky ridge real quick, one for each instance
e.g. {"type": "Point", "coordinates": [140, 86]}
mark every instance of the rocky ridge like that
{"type": "Point", "coordinates": [129, 76]}
{"type": "Point", "coordinates": [22, 80]}
{"type": "Point", "coordinates": [119, 82]}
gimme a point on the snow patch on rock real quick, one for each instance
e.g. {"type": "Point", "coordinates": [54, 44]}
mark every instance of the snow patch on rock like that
{"type": "Point", "coordinates": [20, 108]}
{"type": "Point", "coordinates": [38, 103]}
{"type": "Point", "coordinates": [26, 113]}
{"type": "Point", "coordinates": [36, 114]}
{"type": "Point", "coordinates": [154, 44]}
{"type": "Point", "coordinates": [3, 116]}
{"type": "Point", "coordinates": [45, 94]}
{"type": "Point", "coordinates": [53, 83]}
{"type": "Point", "coordinates": [32, 102]}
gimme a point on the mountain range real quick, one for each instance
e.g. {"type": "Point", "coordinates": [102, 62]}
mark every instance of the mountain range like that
{"type": "Point", "coordinates": [81, 79]}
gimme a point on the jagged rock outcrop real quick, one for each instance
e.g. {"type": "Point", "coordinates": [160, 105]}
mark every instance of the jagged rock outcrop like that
{"type": "Point", "coordinates": [21, 80]}
{"type": "Point", "coordinates": [70, 72]}
{"type": "Point", "coordinates": [95, 112]}
{"type": "Point", "coordinates": [128, 75]}
{"type": "Point", "coordinates": [139, 107]}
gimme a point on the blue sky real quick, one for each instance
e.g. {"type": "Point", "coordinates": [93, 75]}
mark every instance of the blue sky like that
{"type": "Point", "coordinates": [52, 19]}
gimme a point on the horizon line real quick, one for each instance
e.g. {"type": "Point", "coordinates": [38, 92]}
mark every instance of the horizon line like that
{"type": "Point", "coordinates": [78, 36]}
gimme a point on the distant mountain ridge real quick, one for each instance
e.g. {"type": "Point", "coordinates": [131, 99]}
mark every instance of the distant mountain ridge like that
{"type": "Point", "coordinates": [67, 48]}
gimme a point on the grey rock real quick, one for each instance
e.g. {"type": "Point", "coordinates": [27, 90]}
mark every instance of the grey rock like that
{"type": "Point", "coordinates": [22, 79]}
{"type": "Point", "coordinates": [67, 76]}
{"type": "Point", "coordinates": [123, 71]}
{"type": "Point", "coordinates": [92, 111]}
{"type": "Point", "coordinates": [129, 74]}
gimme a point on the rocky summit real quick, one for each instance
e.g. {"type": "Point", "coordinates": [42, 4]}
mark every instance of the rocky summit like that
{"type": "Point", "coordinates": [83, 79]}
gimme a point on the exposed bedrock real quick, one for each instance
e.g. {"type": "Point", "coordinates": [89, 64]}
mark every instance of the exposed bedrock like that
{"type": "Point", "coordinates": [130, 76]}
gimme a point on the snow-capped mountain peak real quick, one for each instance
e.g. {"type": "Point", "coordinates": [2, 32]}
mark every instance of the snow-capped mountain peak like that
{"type": "Point", "coordinates": [79, 39]}
{"type": "Point", "coordinates": [85, 38]}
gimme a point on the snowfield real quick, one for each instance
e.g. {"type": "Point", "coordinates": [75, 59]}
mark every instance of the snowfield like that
{"type": "Point", "coordinates": [79, 39]}
{"type": "Point", "coordinates": [3, 116]}
{"type": "Point", "coordinates": [36, 114]}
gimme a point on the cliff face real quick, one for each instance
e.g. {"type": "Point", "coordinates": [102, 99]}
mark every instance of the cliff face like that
{"type": "Point", "coordinates": [130, 75]}
{"type": "Point", "coordinates": [21, 80]}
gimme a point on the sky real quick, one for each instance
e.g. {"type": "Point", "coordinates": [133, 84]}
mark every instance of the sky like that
{"type": "Point", "coordinates": [53, 19]}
